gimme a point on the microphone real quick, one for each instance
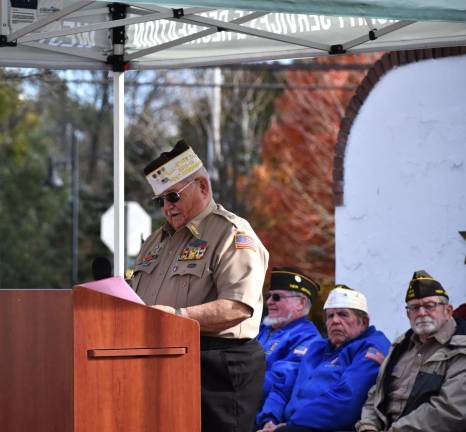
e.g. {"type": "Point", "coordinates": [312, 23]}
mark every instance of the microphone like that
{"type": "Point", "coordinates": [101, 268]}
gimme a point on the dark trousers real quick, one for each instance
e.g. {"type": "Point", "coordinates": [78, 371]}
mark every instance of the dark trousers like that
{"type": "Point", "coordinates": [232, 376]}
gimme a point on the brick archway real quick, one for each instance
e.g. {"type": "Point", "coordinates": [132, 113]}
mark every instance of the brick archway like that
{"type": "Point", "coordinates": [389, 61]}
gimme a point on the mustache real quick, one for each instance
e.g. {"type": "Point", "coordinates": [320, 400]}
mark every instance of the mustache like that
{"type": "Point", "coordinates": [424, 320]}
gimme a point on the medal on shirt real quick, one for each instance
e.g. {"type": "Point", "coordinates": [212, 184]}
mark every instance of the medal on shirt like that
{"type": "Point", "coordinates": [147, 260]}
{"type": "Point", "coordinates": [194, 251]}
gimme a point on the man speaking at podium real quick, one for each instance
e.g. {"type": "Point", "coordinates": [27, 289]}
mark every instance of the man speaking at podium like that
{"type": "Point", "coordinates": [207, 264]}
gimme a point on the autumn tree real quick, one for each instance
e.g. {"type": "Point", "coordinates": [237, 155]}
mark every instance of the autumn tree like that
{"type": "Point", "coordinates": [290, 191]}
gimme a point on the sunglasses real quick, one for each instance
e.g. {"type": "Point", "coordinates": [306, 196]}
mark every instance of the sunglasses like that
{"type": "Point", "coordinates": [277, 297]}
{"type": "Point", "coordinates": [171, 197]}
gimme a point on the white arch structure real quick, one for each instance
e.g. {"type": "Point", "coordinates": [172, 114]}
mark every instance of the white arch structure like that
{"type": "Point", "coordinates": [404, 188]}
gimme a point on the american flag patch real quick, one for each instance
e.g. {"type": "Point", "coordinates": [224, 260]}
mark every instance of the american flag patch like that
{"type": "Point", "coordinates": [375, 355]}
{"type": "Point", "coordinates": [300, 350]}
{"type": "Point", "coordinates": [243, 241]}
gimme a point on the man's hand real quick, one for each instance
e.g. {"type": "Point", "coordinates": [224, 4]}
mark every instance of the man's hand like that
{"type": "Point", "coordinates": [164, 308]}
{"type": "Point", "coordinates": [270, 426]}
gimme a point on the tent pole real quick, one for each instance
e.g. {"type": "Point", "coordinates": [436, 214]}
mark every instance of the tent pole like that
{"type": "Point", "coordinates": [118, 172]}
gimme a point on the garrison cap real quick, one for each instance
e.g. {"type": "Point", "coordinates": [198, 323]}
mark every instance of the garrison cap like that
{"type": "Point", "coordinates": [293, 279]}
{"type": "Point", "coordinates": [343, 296]}
{"type": "Point", "coordinates": [171, 167]}
{"type": "Point", "coordinates": [424, 285]}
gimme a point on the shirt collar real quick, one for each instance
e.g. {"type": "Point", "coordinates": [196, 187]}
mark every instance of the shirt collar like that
{"type": "Point", "coordinates": [442, 336]}
{"type": "Point", "coordinates": [332, 349]}
{"type": "Point", "coordinates": [445, 332]}
{"type": "Point", "coordinates": [194, 225]}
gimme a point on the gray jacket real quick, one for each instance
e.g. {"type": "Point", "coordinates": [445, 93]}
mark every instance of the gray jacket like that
{"type": "Point", "coordinates": [437, 402]}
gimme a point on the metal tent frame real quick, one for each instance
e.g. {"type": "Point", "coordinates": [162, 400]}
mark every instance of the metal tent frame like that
{"type": "Point", "coordinates": [89, 34]}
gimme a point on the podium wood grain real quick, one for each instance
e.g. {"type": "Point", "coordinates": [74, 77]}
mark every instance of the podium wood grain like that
{"type": "Point", "coordinates": [81, 361]}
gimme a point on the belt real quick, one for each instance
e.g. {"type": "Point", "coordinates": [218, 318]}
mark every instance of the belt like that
{"type": "Point", "coordinates": [212, 343]}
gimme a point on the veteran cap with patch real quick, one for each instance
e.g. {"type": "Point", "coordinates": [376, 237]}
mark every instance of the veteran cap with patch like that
{"type": "Point", "coordinates": [424, 285]}
{"type": "Point", "coordinates": [293, 279]}
{"type": "Point", "coordinates": [171, 167]}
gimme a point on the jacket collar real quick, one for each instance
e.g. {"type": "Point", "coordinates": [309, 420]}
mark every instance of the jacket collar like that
{"type": "Point", "coordinates": [290, 325]}
{"type": "Point", "coordinates": [458, 334]}
{"type": "Point", "coordinates": [459, 338]}
{"type": "Point", "coordinates": [363, 335]}
{"type": "Point", "coordinates": [442, 335]}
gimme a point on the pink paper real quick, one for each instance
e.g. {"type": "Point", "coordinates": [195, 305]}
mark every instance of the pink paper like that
{"type": "Point", "coordinates": [114, 286]}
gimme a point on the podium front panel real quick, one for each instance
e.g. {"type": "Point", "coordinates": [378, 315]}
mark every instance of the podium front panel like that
{"type": "Point", "coordinates": [136, 368]}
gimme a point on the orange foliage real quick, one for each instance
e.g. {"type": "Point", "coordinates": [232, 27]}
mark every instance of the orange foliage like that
{"type": "Point", "coordinates": [290, 193]}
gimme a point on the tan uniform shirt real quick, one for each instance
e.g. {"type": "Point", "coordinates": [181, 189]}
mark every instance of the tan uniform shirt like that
{"type": "Point", "coordinates": [216, 255]}
{"type": "Point", "coordinates": [409, 364]}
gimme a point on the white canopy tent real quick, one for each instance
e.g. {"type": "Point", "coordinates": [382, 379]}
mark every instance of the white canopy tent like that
{"type": "Point", "coordinates": [85, 34]}
{"type": "Point", "coordinates": [78, 34]}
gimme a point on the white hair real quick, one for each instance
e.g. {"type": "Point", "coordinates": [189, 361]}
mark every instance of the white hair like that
{"type": "Point", "coordinates": [201, 172]}
{"type": "Point", "coordinates": [307, 305]}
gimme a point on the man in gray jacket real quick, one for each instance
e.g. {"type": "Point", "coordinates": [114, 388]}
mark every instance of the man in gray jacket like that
{"type": "Point", "coordinates": [421, 385]}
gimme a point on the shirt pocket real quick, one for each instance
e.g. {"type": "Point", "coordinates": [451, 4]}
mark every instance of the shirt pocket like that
{"type": "Point", "coordinates": [401, 378]}
{"type": "Point", "coordinates": [146, 267]}
{"type": "Point", "coordinates": [187, 277]}
{"type": "Point", "coordinates": [142, 269]}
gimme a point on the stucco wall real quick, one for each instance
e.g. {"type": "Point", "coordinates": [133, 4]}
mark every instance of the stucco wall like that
{"type": "Point", "coordinates": [405, 188]}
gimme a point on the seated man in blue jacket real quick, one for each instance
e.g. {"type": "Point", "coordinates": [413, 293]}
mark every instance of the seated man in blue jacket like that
{"type": "Point", "coordinates": [286, 332]}
{"type": "Point", "coordinates": [328, 389]}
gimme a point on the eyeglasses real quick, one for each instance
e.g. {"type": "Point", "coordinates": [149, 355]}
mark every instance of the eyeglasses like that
{"type": "Point", "coordinates": [277, 297]}
{"type": "Point", "coordinates": [171, 197]}
{"type": "Point", "coordinates": [428, 307]}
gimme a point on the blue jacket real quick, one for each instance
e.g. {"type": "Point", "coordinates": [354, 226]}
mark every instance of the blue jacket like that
{"type": "Point", "coordinates": [284, 347]}
{"type": "Point", "coordinates": [330, 386]}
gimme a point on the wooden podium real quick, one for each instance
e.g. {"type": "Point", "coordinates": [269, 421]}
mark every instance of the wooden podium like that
{"type": "Point", "coordinates": [81, 361]}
